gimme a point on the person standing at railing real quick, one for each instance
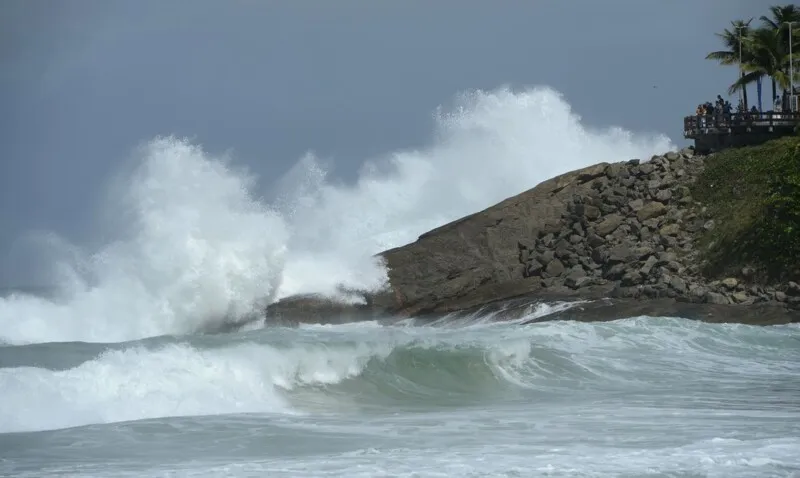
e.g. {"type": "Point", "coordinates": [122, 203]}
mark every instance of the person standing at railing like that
{"type": "Point", "coordinates": [727, 109]}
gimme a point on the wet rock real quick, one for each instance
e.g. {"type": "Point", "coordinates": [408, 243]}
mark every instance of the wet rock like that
{"type": "Point", "coordinates": [716, 298]}
{"type": "Point", "coordinates": [574, 276]}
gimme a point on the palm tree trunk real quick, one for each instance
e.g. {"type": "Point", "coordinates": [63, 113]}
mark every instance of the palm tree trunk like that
{"type": "Point", "coordinates": [744, 94]}
{"type": "Point", "coordinates": [774, 93]}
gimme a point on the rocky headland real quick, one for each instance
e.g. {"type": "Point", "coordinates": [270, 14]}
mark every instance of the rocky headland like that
{"type": "Point", "coordinates": [631, 238]}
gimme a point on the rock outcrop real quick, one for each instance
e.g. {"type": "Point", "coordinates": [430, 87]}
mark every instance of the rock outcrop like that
{"type": "Point", "coordinates": [625, 230]}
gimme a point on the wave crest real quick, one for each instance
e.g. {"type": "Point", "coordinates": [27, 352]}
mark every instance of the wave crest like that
{"type": "Point", "coordinates": [199, 249]}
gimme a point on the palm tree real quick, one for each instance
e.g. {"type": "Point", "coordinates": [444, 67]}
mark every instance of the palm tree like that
{"type": "Point", "coordinates": [731, 39]}
{"type": "Point", "coordinates": [781, 14]}
{"type": "Point", "coordinates": [767, 56]}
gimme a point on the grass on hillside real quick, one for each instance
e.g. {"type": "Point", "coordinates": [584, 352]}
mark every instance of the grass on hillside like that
{"type": "Point", "coordinates": [753, 194]}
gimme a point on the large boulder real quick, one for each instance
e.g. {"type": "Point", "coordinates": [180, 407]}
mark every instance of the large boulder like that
{"type": "Point", "coordinates": [477, 258]}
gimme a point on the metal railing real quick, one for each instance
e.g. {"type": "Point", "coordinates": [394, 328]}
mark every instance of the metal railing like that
{"type": "Point", "coordinates": [722, 123]}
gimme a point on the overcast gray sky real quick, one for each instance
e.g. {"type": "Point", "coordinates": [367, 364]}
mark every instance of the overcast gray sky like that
{"type": "Point", "coordinates": [84, 81]}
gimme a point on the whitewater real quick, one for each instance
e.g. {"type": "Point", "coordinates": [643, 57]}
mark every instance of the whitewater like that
{"type": "Point", "coordinates": [121, 368]}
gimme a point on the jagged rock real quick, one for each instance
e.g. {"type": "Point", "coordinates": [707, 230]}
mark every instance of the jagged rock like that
{"type": "Point", "coordinates": [793, 289]}
{"type": "Point", "coordinates": [666, 257]}
{"type": "Point", "coordinates": [651, 210]}
{"type": "Point", "coordinates": [609, 224]}
{"type": "Point", "coordinates": [615, 272]}
{"type": "Point", "coordinates": [645, 169]}
{"type": "Point", "coordinates": [545, 257]}
{"type": "Point", "coordinates": [574, 277]}
{"type": "Point", "coordinates": [631, 278]}
{"type": "Point", "coordinates": [592, 172]}
{"type": "Point", "coordinates": [741, 298]}
{"type": "Point", "coordinates": [698, 292]}
{"type": "Point", "coordinates": [555, 268]}
{"type": "Point", "coordinates": [678, 284]}
{"type": "Point", "coordinates": [730, 283]}
{"type": "Point", "coordinates": [642, 252]}
{"type": "Point", "coordinates": [681, 192]}
{"type": "Point", "coordinates": [589, 211]}
{"type": "Point", "coordinates": [621, 253]}
{"type": "Point", "coordinates": [670, 230]}
{"type": "Point", "coordinates": [664, 195]}
{"type": "Point", "coordinates": [667, 181]}
{"type": "Point", "coordinates": [533, 268]}
{"type": "Point", "coordinates": [594, 240]}
{"type": "Point", "coordinates": [648, 266]}
{"type": "Point", "coordinates": [716, 298]}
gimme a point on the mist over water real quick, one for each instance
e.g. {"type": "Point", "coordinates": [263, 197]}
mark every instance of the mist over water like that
{"type": "Point", "coordinates": [199, 248]}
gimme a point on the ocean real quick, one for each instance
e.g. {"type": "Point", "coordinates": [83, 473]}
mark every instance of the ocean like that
{"type": "Point", "coordinates": [147, 355]}
{"type": "Point", "coordinates": [635, 397]}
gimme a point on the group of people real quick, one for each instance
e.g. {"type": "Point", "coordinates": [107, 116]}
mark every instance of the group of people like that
{"type": "Point", "coordinates": [718, 108]}
{"type": "Point", "coordinates": [721, 110]}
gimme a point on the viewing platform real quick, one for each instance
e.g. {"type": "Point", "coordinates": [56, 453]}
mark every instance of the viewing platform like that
{"type": "Point", "coordinates": [720, 131]}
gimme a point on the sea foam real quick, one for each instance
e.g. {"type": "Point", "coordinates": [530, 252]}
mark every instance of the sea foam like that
{"type": "Point", "coordinates": [196, 248]}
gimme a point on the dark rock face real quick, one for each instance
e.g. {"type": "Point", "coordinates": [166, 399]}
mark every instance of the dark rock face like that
{"type": "Point", "coordinates": [321, 310]}
{"type": "Point", "coordinates": [623, 230]}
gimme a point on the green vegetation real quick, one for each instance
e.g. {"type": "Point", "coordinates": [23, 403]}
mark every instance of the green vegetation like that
{"type": "Point", "coordinates": [764, 50]}
{"type": "Point", "coordinates": [753, 193]}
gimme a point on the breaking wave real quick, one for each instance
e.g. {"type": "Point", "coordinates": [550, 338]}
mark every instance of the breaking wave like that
{"type": "Point", "coordinates": [348, 369]}
{"type": "Point", "coordinates": [197, 248]}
